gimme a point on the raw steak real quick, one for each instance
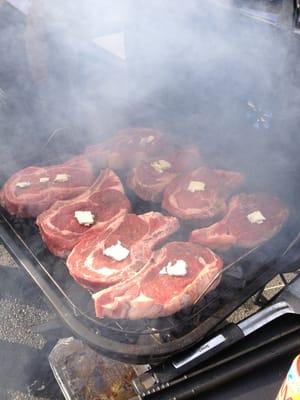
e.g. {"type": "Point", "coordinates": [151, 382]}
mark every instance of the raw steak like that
{"type": "Point", "coordinates": [126, 148]}
{"type": "Point", "coordinates": [200, 196]}
{"type": "Point", "coordinates": [138, 234]}
{"type": "Point", "coordinates": [149, 179]}
{"type": "Point", "coordinates": [152, 293]}
{"type": "Point", "coordinates": [60, 229]}
{"type": "Point", "coordinates": [35, 196]}
{"type": "Point", "coordinates": [236, 228]}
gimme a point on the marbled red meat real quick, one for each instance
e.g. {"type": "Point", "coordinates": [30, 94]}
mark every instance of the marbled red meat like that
{"type": "Point", "coordinates": [208, 201]}
{"type": "Point", "coordinates": [235, 229]}
{"type": "Point", "coordinates": [126, 148]}
{"type": "Point", "coordinates": [139, 234]}
{"type": "Point", "coordinates": [151, 294]}
{"type": "Point", "coordinates": [33, 199]}
{"type": "Point", "coordinates": [106, 200]}
{"type": "Point", "coordinates": [148, 181]}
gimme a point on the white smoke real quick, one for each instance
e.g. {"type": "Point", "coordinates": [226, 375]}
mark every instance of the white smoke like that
{"type": "Point", "coordinates": [190, 69]}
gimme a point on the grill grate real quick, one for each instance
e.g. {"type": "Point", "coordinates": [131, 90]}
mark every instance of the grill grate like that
{"type": "Point", "coordinates": [240, 281]}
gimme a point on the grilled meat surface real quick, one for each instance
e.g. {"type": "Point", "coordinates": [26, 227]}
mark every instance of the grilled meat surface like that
{"type": "Point", "coordinates": [158, 291]}
{"type": "Point", "coordinates": [34, 189]}
{"type": "Point", "coordinates": [149, 179]}
{"type": "Point", "coordinates": [126, 149]}
{"type": "Point", "coordinates": [106, 201]}
{"type": "Point", "coordinates": [251, 220]}
{"type": "Point", "coordinates": [200, 196]}
{"type": "Point", "coordinates": [131, 241]}
{"type": "Point", "coordinates": [115, 252]}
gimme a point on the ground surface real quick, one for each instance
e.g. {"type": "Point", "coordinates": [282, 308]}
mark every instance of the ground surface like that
{"type": "Point", "coordinates": [18, 317]}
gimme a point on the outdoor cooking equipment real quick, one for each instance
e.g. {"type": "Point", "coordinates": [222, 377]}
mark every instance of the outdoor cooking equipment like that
{"type": "Point", "coordinates": [288, 302]}
{"type": "Point", "coordinates": [228, 369]}
{"type": "Point", "coordinates": [147, 341]}
{"type": "Point", "coordinates": [202, 114]}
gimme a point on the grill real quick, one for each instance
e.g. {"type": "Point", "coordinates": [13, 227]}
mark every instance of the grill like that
{"type": "Point", "coordinates": [149, 341]}
{"type": "Point", "coordinates": [245, 273]}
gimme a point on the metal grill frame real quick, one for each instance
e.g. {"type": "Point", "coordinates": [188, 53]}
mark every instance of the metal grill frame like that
{"type": "Point", "coordinates": [110, 337]}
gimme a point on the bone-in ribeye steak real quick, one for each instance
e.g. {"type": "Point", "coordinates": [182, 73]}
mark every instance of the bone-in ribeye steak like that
{"type": "Point", "coordinates": [149, 179]}
{"type": "Point", "coordinates": [251, 220]}
{"type": "Point", "coordinates": [126, 148]}
{"type": "Point", "coordinates": [152, 293]}
{"type": "Point", "coordinates": [34, 189]}
{"type": "Point", "coordinates": [105, 199]}
{"type": "Point", "coordinates": [200, 196]}
{"type": "Point", "coordinates": [137, 234]}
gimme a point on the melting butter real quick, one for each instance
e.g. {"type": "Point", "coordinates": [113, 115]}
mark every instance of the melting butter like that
{"type": "Point", "coordinates": [196, 186]}
{"type": "Point", "coordinates": [256, 217]}
{"type": "Point", "coordinates": [116, 252]}
{"type": "Point", "coordinates": [44, 179]}
{"type": "Point", "coordinates": [62, 178]}
{"type": "Point", "coordinates": [179, 268]}
{"type": "Point", "coordinates": [85, 218]}
{"type": "Point", "coordinates": [23, 185]}
{"type": "Point", "coordinates": [147, 140]}
{"type": "Point", "coordinates": [161, 165]}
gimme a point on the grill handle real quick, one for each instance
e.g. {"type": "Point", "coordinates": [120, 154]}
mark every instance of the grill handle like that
{"type": "Point", "coordinates": [171, 370]}
{"type": "Point", "coordinates": [226, 337]}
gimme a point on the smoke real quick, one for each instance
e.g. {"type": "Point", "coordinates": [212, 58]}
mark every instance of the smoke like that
{"type": "Point", "coordinates": [191, 69]}
{"type": "Point", "coordinates": [201, 72]}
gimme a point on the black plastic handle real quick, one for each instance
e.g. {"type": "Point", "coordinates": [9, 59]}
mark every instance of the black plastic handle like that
{"type": "Point", "coordinates": [176, 367]}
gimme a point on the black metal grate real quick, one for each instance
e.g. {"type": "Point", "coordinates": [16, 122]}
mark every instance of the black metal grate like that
{"type": "Point", "coordinates": [244, 275]}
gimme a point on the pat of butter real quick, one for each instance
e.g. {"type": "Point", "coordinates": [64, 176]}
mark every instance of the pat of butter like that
{"type": "Point", "coordinates": [196, 186]}
{"type": "Point", "coordinates": [117, 252]}
{"type": "Point", "coordinates": [179, 268]}
{"type": "Point", "coordinates": [23, 185]}
{"type": "Point", "coordinates": [256, 217]}
{"type": "Point", "coordinates": [160, 165]}
{"type": "Point", "coordinates": [147, 140]}
{"type": "Point", "coordinates": [85, 217]}
{"type": "Point", "coordinates": [44, 179]}
{"type": "Point", "coordinates": [62, 178]}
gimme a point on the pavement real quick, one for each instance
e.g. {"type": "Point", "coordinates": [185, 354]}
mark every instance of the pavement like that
{"type": "Point", "coordinates": [18, 318]}
{"type": "Point", "coordinates": [5, 258]}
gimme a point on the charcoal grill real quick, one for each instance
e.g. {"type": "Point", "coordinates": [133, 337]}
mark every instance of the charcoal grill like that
{"type": "Point", "coordinates": [148, 341]}
{"type": "Point", "coordinates": [152, 341]}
